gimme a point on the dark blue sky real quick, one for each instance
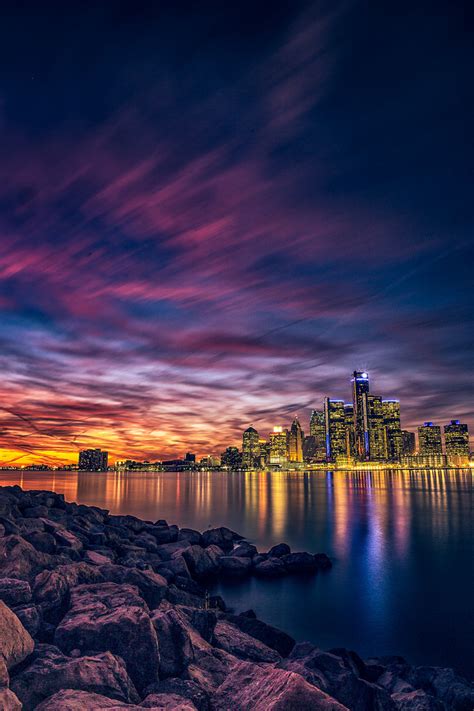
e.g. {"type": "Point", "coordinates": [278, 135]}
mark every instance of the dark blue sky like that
{"type": "Point", "coordinates": [209, 216]}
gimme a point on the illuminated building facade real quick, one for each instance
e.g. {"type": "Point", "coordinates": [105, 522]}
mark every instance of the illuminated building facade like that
{"type": "Point", "coordinates": [250, 448]}
{"type": "Point", "coordinates": [93, 460]}
{"type": "Point", "coordinates": [391, 415]}
{"type": "Point", "coordinates": [309, 449]}
{"type": "Point", "coordinates": [335, 429]}
{"type": "Point", "coordinates": [317, 429]}
{"type": "Point", "coordinates": [360, 389]}
{"type": "Point", "coordinates": [408, 443]}
{"type": "Point", "coordinates": [373, 416]}
{"type": "Point", "coordinates": [231, 458]}
{"type": "Point", "coordinates": [295, 442]}
{"type": "Point", "coordinates": [429, 439]}
{"type": "Point", "coordinates": [350, 431]}
{"type": "Point", "coordinates": [456, 437]}
{"type": "Point", "coordinates": [278, 446]}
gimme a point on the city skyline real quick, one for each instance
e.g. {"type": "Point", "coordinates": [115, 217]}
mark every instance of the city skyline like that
{"type": "Point", "coordinates": [213, 218]}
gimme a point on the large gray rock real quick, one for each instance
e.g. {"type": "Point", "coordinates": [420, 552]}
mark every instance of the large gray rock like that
{"type": "Point", "coordinates": [230, 638]}
{"type": "Point", "coordinates": [245, 550]}
{"type": "Point", "coordinates": [222, 537]}
{"type": "Point", "coordinates": [52, 587]}
{"type": "Point", "coordinates": [300, 562]}
{"type": "Point", "coordinates": [14, 592]}
{"type": "Point", "coordinates": [176, 650]}
{"type": "Point", "coordinates": [199, 562]}
{"type": "Point", "coordinates": [270, 568]}
{"type": "Point", "coordinates": [107, 616]}
{"type": "Point", "coordinates": [268, 635]}
{"type": "Point", "coordinates": [19, 559]}
{"type": "Point", "coordinates": [74, 700]}
{"type": "Point", "coordinates": [263, 688]}
{"type": "Point", "coordinates": [235, 566]}
{"type": "Point", "coordinates": [30, 618]}
{"type": "Point", "coordinates": [8, 700]}
{"type": "Point", "coordinates": [151, 585]}
{"type": "Point", "coordinates": [190, 535]}
{"type": "Point", "coordinates": [16, 643]}
{"type": "Point", "coordinates": [182, 687]}
{"type": "Point", "coordinates": [279, 550]}
{"type": "Point", "coordinates": [52, 671]}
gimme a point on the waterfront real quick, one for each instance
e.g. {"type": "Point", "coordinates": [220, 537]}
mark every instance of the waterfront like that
{"type": "Point", "coordinates": [401, 541]}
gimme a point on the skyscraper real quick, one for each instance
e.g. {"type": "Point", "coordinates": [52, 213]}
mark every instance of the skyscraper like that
{"type": "Point", "coordinates": [391, 414]}
{"type": "Point", "coordinates": [93, 460]}
{"type": "Point", "coordinates": [250, 448]}
{"type": "Point", "coordinates": [373, 416]}
{"type": "Point", "coordinates": [231, 458]}
{"type": "Point", "coordinates": [408, 443]}
{"type": "Point", "coordinates": [317, 429]}
{"type": "Point", "coordinates": [360, 388]}
{"type": "Point", "coordinates": [429, 439]}
{"type": "Point", "coordinates": [335, 429]}
{"type": "Point", "coordinates": [279, 446]}
{"type": "Point", "coordinates": [350, 431]}
{"type": "Point", "coordinates": [456, 437]}
{"type": "Point", "coordinates": [295, 441]}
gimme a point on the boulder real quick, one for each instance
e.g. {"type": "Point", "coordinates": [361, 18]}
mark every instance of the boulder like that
{"type": "Point", "coordinates": [249, 686]}
{"type": "Point", "coordinates": [51, 587]}
{"type": "Point", "coordinates": [300, 563]}
{"type": "Point", "coordinates": [14, 592]}
{"type": "Point", "coordinates": [151, 586]}
{"type": "Point", "coordinates": [235, 566]}
{"type": "Point", "coordinates": [42, 541]}
{"type": "Point", "coordinates": [222, 537]}
{"type": "Point", "coordinates": [52, 671]}
{"type": "Point", "coordinates": [110, 617]}
{"type": "Point", "coordinates": [279, 550]}
{"type": "Point", "coordinates": [270, 568]}
{"type": "Point", "coordinates": [30, 618]}
{"type": "Point", "coordinates": [176, 651]}
{"type": "Point", "coordinates": [453, 690]}
{"type": "Point", "coordinates": [190, 535]}
{"type": "Point", "coordinates": [16, 643]}
{"type": "Point", "coordinates": [167, 702]}
{"type": "Point", "coordinates": [182, 687]}
{"type": "Point", "coordinates": [244, 550]}
{"type": "Point", "coordinates": [230, 638]}
{"type": "Point", "coordinates": [203, 621]}
{"type": "Point", "coordinates": [215, 554]}
{"type": "Point", "coordinates": [268, 635]}
{"type": "Point", "coordinates": [166, 551]}
{"type": "Point", "coordinates": [416, 700]}
{"type": "Point", "coordinates": [8, 701]}
{"type": "Point", "coordinates": [19, 559]}
{"type": "Point", "coordinates": [199, 562]}
{"type": "Point", "coordinates": [74, 700]}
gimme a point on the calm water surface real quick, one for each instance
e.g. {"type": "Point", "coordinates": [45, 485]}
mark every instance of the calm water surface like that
{"type": "Point", "coordinates": [402, 544]}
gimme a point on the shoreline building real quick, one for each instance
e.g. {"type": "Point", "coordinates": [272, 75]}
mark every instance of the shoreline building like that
{"type": "Point", "coordinates": [250, 448]}
{"type": "Point", "coordinates": [375, 436]}
{"type": "Point", "coordinates": [429, 439]}
{"type": "Point", "coordinates": [335, 429]}
{"type": "Point", "coordinates": [360, 390]}
{"type": "Point", "coordinates": [456, 438]}
{"type": "Point", "coordinates": [93, 460]}
{"type": "Point", "coordinates": [295, 441]}
{"type": "Point", "coordinates": [278, 446]}
{"type": "Point", "coordinates": [391, 415]}
{"type": "Point", "coordinates": [408, 443]}
{"type": "Point", "coordinates": [350, 431]}
{"type": "Point", "coordinates": [317, 429]}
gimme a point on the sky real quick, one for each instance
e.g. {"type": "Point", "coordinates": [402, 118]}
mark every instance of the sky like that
{"type": "Point", "coordinates": [212, 213]}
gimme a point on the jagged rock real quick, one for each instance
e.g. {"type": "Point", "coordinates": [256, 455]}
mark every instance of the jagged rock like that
{"type": "Point", "coordinates": [199, 562]}
{"type": "Point", "coordinates": [14, 592]}
{"type": "Point", "coordinates": [245, 550]}
{"type": "Point", "coordinates": [270, 568]}
{"type": "Point", "coordinates": [8, 701]}
{"type": "Point", "coordinates": [167, 551]}
{"type": "Point", "coordinates": [182, 687]}
{"type": "Point", "coordinates": [268, 635]}
{"type": "Point", "coordinates": [235, 566]}
{"type": "Point", "coordinates": [95, 558]}
{"type": "Point", "coordinates": [416, 700]}
{"type": "Point", "coordinates": [249, 686]}
{"type": "Point", "coordinates": [190, 535]}
{"type": "Point", "coordinates": [51, 587]}
{"type": "Point", "coordinates": [299, 562]}
{"type": "Point", "coordinates": [167, 702]}
{"type": "Point", "coordinates": [230, 638]}
{"type": "Point", "coordinates": [10, 528]}
{"type": "Point", "coordinates": [181, 597]}
{"type": "Point", "coordinates": [339, 676]}
{"type": "Point", "coordinates": [36, 512]}
{"type": "Point", "coordinates": [203, 621]}
{"type": "Point", "coordinates": [152, 586]}
{"type": "Point", "coordinates": [15, 642]}
{"type": "Point", "coordinates": [52, 671]}
{"type": "Point", "coordinates": [322, 561]}
{"type": "Point", "coordinates": [74, 700]}
{"type": "Point", "coordinates": [215, 554]}
{"type": "Point", "coordinates": [30, 618]}
{"type": "Point", "coordinates": [279, 550]}
{"type": "Point", "coordinates": [456, 692]}
{"type": "Point", "coordinates": [134, 524]}
{"type": "Point", "coordinates": [19, 559]}
{"type": "Point", "coordinates": [176, 651]}
{"type": "Point", "coordinates": [222, 537]}
{"type": "Point", "coordinates": [42, 541]}
{"type": "Point", "coordinates": [107, 616]}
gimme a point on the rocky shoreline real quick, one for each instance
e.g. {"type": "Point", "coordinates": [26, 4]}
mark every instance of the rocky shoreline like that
{"type": "Point", "coordinates": [111, 612]}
